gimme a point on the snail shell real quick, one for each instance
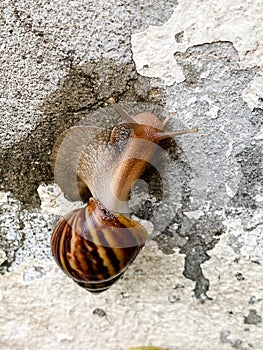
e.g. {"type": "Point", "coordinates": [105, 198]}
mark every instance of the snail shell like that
{"type": "Point", "coordinates": [94, 245]}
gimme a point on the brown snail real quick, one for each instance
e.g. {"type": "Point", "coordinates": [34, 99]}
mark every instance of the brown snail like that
{"type": "Point", "coordinates": [95, 244]}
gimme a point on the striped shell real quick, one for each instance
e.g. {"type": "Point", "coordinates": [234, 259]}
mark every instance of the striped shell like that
{"type": "Point", "coordinates": [95, 247]}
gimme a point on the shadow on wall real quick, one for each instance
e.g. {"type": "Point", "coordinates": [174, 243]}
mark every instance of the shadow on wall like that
{"type": "Point", "coordinates": [26, 165]}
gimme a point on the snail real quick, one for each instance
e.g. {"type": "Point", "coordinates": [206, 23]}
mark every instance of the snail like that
{"type": "Point", "coordinates": [95, 244]}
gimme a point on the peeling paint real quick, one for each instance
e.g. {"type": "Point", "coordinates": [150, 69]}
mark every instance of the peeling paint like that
{"type": "Point", "coordinates": [195, 214]}
{"type": "Point", "coordinates": [259, 198]}
{"type": "Point", "coordinates": [213, 112]}
{"type": "Point", "coordinates": [4, 197]}
{"type": "Point", "coordinates": [230, 149]}
{"type": "Point", "coordinates": [202, 22]}
{"type": "Point", "coordinates": [253, 94]}
{"type": "Point", "coordinates": [230, 192]}
{"type": "Point", "coordinates": [23, 233]}
{"type": "Point", "coordinates": [235, 228]}
{"type": "Point", "coordinates": [53, 201]}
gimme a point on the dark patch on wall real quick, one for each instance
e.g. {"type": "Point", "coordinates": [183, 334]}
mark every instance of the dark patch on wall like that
{"type": "Point", "coordinates": [256, 118]}
{"type": "Point", "coordinates": [234, 343]}
{"type": "Point", "coordinates": [251, 163]}
{"type": "Point", "coordinates": [252, 317]}
{"type": "Point", "coordinates": [11, 243]}
{"type": "Point", "coordinates": [194, 238]}
{"type": "Point", "coordinates": [254, 300]}
{"type": "Point", "coordinates": [211, 70]}
{"type": "Point", "coordinates": [24, 166]}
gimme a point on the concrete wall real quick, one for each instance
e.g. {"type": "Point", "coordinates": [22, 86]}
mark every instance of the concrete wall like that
{"type": "Point", "coordinates": [198, 282]}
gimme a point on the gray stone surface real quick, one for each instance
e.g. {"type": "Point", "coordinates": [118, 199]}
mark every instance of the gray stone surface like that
{"type": "Point", "coordinates": [56, 60]}
{"type": "Point", "coordinates": [224, 163]}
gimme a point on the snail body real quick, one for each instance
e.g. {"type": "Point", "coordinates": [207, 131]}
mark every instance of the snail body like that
{"type": "Point", "coordinates": [94, 245]}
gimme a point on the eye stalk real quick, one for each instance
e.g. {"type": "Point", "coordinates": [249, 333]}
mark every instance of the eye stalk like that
{"type": "Point", "coordinates": [143, 120]}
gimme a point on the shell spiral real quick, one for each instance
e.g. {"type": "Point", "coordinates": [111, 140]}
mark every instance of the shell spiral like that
{"type": "Point", "coordinates": [95, 247]}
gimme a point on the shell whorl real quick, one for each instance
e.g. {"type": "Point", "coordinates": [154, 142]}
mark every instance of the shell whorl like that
{"type": "Point", "coordinates": [95, 247]}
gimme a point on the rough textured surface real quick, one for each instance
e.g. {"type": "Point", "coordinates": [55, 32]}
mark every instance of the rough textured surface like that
{"type": "Point", "coordinates": [198, 284]}
{"type": "Point", "coordinates": [139, 310]}
{"type": "Point", "coordinates": [195, 23]}
{"type": "Point", "coordinates": [57, 61]}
